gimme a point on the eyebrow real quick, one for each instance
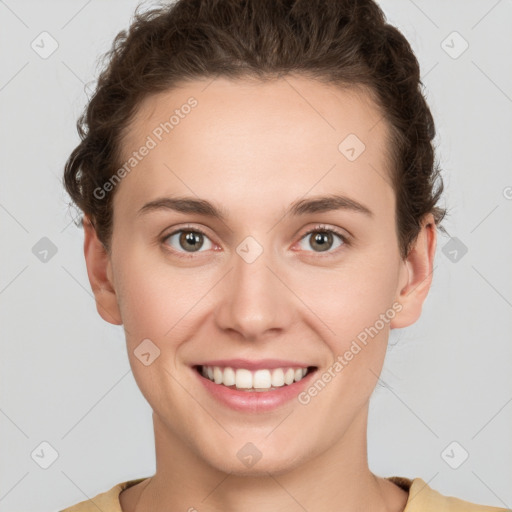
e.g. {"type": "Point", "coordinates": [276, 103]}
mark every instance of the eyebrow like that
{"type": "Point", "coordinates": [317, 204]}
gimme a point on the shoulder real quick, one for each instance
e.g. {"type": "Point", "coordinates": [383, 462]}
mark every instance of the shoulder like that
{"type": "Point", "coordinates": [107, 501]}
{"type": "Point", "coordinates": [422, 498]}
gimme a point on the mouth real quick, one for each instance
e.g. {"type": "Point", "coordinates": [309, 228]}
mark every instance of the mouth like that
{"type": "Point", "coordinates": [260, 380]}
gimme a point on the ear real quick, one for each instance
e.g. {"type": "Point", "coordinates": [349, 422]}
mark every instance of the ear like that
{"type": "Point", "coordinates": [416, 275]}
{"type": "Point", "coordinates": [99, 270]}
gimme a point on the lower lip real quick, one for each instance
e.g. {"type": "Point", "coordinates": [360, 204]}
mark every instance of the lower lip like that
{"type": "Point", "coordinates": [254, 401]}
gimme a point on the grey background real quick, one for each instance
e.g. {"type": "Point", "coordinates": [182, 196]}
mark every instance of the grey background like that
{"type": "Point", "coordinates": [65, 376]}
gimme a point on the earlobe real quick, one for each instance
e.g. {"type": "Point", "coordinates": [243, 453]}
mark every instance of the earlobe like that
{"type": "Point", "coordinates": [99, 270]}
{"type": "Point", "coordinates": [416, 275]}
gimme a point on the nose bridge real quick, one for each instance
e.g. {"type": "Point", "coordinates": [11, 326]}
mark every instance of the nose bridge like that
{"type": "Point", "coordinates": [253, 301]}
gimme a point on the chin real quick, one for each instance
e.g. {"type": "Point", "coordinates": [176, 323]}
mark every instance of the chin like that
{"type": "Point", "coordinates": [249, 461]}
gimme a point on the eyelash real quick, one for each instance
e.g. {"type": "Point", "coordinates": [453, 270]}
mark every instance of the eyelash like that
{"type": "Point", "coordinates": [318, 228]}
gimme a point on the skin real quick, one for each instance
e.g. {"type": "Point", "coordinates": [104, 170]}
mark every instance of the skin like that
{"type": "Point", "coordinates": [255, 148]}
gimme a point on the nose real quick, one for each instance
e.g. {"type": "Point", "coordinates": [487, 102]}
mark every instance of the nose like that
{"type": "Point", "coordinates": [255, 299]}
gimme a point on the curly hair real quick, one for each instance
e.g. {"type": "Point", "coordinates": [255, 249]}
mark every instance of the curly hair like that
{"type": "Point", "coordinates": [343, 42]}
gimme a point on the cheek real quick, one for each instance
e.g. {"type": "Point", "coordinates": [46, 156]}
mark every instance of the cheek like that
{"type": "Point", "coordinates": [350, 298]}
{"type": "Point", "coordinates": [357, 307]}
{"type": "Point", "coordinates": [156, 298]}
{"type": "Point", "coordinates": [155, 301]}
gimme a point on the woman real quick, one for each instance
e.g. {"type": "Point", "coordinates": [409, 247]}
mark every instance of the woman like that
{"type": "Point", "coordinates": [260, 201]}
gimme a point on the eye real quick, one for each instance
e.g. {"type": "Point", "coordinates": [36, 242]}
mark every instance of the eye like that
{"type": "Point", "coordinates": [187, 239]}
{"type": "Point", "coordinates": [323, 238]}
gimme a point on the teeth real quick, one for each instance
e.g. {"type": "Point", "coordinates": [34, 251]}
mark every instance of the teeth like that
{"type": "Point", "coordinates": [243, 379]}
{"type": "Point", "coordinates": [217, 375]}
{"type": "Point", "coordinates": [229, 377]}
{"type": "Point", "coordinates": [277, 379]}
{"type": "Point", "coordinates": [289, 376]}
{"type": "Point", "coordinates": [259, 380]}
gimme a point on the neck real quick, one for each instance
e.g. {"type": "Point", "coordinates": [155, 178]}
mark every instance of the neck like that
{"type": "Point", "coordinates": [337, 479]}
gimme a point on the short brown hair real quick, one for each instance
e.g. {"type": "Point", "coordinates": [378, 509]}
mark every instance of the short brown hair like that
{"type": "Point", "coordinates": [342, 42]}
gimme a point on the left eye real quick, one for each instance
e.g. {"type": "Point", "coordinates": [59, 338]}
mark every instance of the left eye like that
{"type": "Point", "coordinates": [323, 238]}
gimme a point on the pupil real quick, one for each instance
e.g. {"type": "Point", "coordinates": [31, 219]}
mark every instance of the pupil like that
{"type": "Point", "coordinates": [323, 240]}
{"type": "Point", "coordinates": [192, 238]}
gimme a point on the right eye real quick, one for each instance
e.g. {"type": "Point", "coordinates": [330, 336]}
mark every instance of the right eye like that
{"type": "Point", "coordinates": [184, 239]}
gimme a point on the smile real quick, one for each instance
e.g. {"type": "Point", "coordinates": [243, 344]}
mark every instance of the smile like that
{"type": "Point", "coordinates": [258, 380]}
{"type": "Point", "coordinates": [257, 390]}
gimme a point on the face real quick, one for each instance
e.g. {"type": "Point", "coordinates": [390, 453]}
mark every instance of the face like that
{"type": "Point", "coordinates": [193, 288]}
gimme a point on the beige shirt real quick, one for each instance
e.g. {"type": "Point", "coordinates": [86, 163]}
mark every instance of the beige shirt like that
{"type": "Point", "coordinates": [421, 499]}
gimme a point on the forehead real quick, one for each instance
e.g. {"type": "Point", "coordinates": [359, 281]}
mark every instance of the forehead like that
{"type": "Point", "coordinates": [255, 141]}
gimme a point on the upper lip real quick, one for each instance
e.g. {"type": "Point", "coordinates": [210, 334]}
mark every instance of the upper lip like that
{"type": "Point", "coordinates": [254, 364]}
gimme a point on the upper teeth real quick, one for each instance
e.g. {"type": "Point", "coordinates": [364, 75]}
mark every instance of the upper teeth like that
{"type": "Point", "coordinates": [259, 379]}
